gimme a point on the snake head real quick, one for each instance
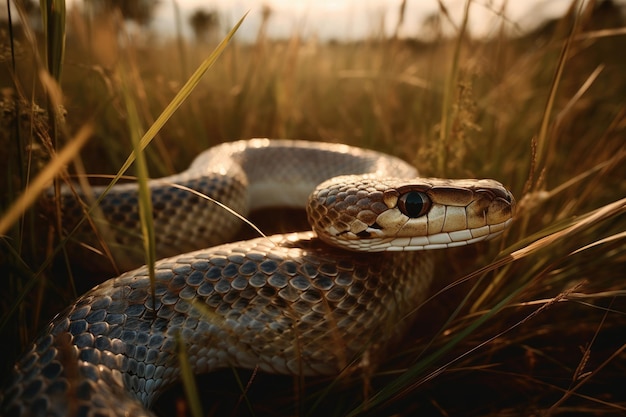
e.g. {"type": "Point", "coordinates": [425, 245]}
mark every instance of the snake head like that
{"type": "Point", "coordinates": [366, 213]}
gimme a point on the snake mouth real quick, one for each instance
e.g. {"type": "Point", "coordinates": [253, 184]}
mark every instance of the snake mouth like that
{"type": "Point", "coordinates": [435, 241]}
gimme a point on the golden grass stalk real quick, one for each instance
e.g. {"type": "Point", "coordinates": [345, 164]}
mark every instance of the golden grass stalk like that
{"type": "Point", "coordinates": [449, 93]}
{"type": "Point", "coordinates": [45, 177]}
{"type": "Point", "coordinates": [546, 120]}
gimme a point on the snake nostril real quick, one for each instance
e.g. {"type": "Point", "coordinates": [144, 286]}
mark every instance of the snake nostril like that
{"type": "Point", "coordinates": [509, 197]}
{"type": "Point", "coordinates": [503, 194]}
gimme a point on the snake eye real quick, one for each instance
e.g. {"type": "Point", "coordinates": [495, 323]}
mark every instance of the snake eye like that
{"type": "Point", "coordinates": [414, 204]}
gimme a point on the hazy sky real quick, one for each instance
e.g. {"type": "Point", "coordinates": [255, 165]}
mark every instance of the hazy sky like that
{"type": "Point", "coordinates": [350, 19]}
{"type": "Point", "coordinates": [356, 18]}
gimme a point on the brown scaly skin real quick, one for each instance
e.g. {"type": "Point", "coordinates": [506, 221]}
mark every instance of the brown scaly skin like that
{"type": "Point", "coordinates": [290, 304]}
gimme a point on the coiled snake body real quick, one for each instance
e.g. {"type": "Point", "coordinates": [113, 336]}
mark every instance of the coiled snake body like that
{"type": "Point", "coordinates": [291, 303]}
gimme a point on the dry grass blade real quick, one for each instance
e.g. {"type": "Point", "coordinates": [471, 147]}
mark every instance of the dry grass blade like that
{"type": "Point", "coordinates": [583, 380]}
{"type": "Point", "coordinates": [575, 226]}
{"type": "Point", "coordinates": [244, 389]}
{"type": "Point", "coordinates": [448, 111]}
{"type": "Point", "coordinates": [181, 96]}
{"type": "Point", "coordinates": [45, 177]}
{"type": "Point", "coordinates": [221, 205]}
{"type": "Point", "coordinates": [542, 137]}
{"type": "Point", "coordinates": [605, 33]}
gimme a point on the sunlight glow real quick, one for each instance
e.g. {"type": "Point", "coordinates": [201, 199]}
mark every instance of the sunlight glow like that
{"type": "Point", "coordinates": [355, 19]}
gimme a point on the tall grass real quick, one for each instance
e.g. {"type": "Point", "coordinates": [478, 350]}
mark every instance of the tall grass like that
{"type": "Point", "coordinates": [530, 324]}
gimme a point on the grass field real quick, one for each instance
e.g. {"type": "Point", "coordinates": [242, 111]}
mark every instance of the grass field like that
{"type": "Point", "coordinates": [532, 324]}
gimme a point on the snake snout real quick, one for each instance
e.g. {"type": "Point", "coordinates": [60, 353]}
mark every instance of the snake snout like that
{"type": "Point", "coordinates": [496, 202]}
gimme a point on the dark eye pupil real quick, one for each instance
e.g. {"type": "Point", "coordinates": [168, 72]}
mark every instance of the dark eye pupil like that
{"type": "Point", "coordinates": [414, 204]}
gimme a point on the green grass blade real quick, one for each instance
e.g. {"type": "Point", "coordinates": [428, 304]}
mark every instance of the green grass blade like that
{"type": "Point", "coordinates": [187, 377]}
{"type": "Point", "coordinates": [180, 97]}
{"type": "Point", "coordinates": [244, 390]}
{"type": "Point", "coordinates": [145, 197]}
{"type": "Point", "coordinates": [53, 15]}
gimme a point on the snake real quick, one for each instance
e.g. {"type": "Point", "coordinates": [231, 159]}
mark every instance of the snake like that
{"type": "Point", "coordinates": [300, 303]}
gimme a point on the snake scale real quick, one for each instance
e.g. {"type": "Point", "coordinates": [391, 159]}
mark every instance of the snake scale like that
{"type": "Point", "coordinates": [304, 303]}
